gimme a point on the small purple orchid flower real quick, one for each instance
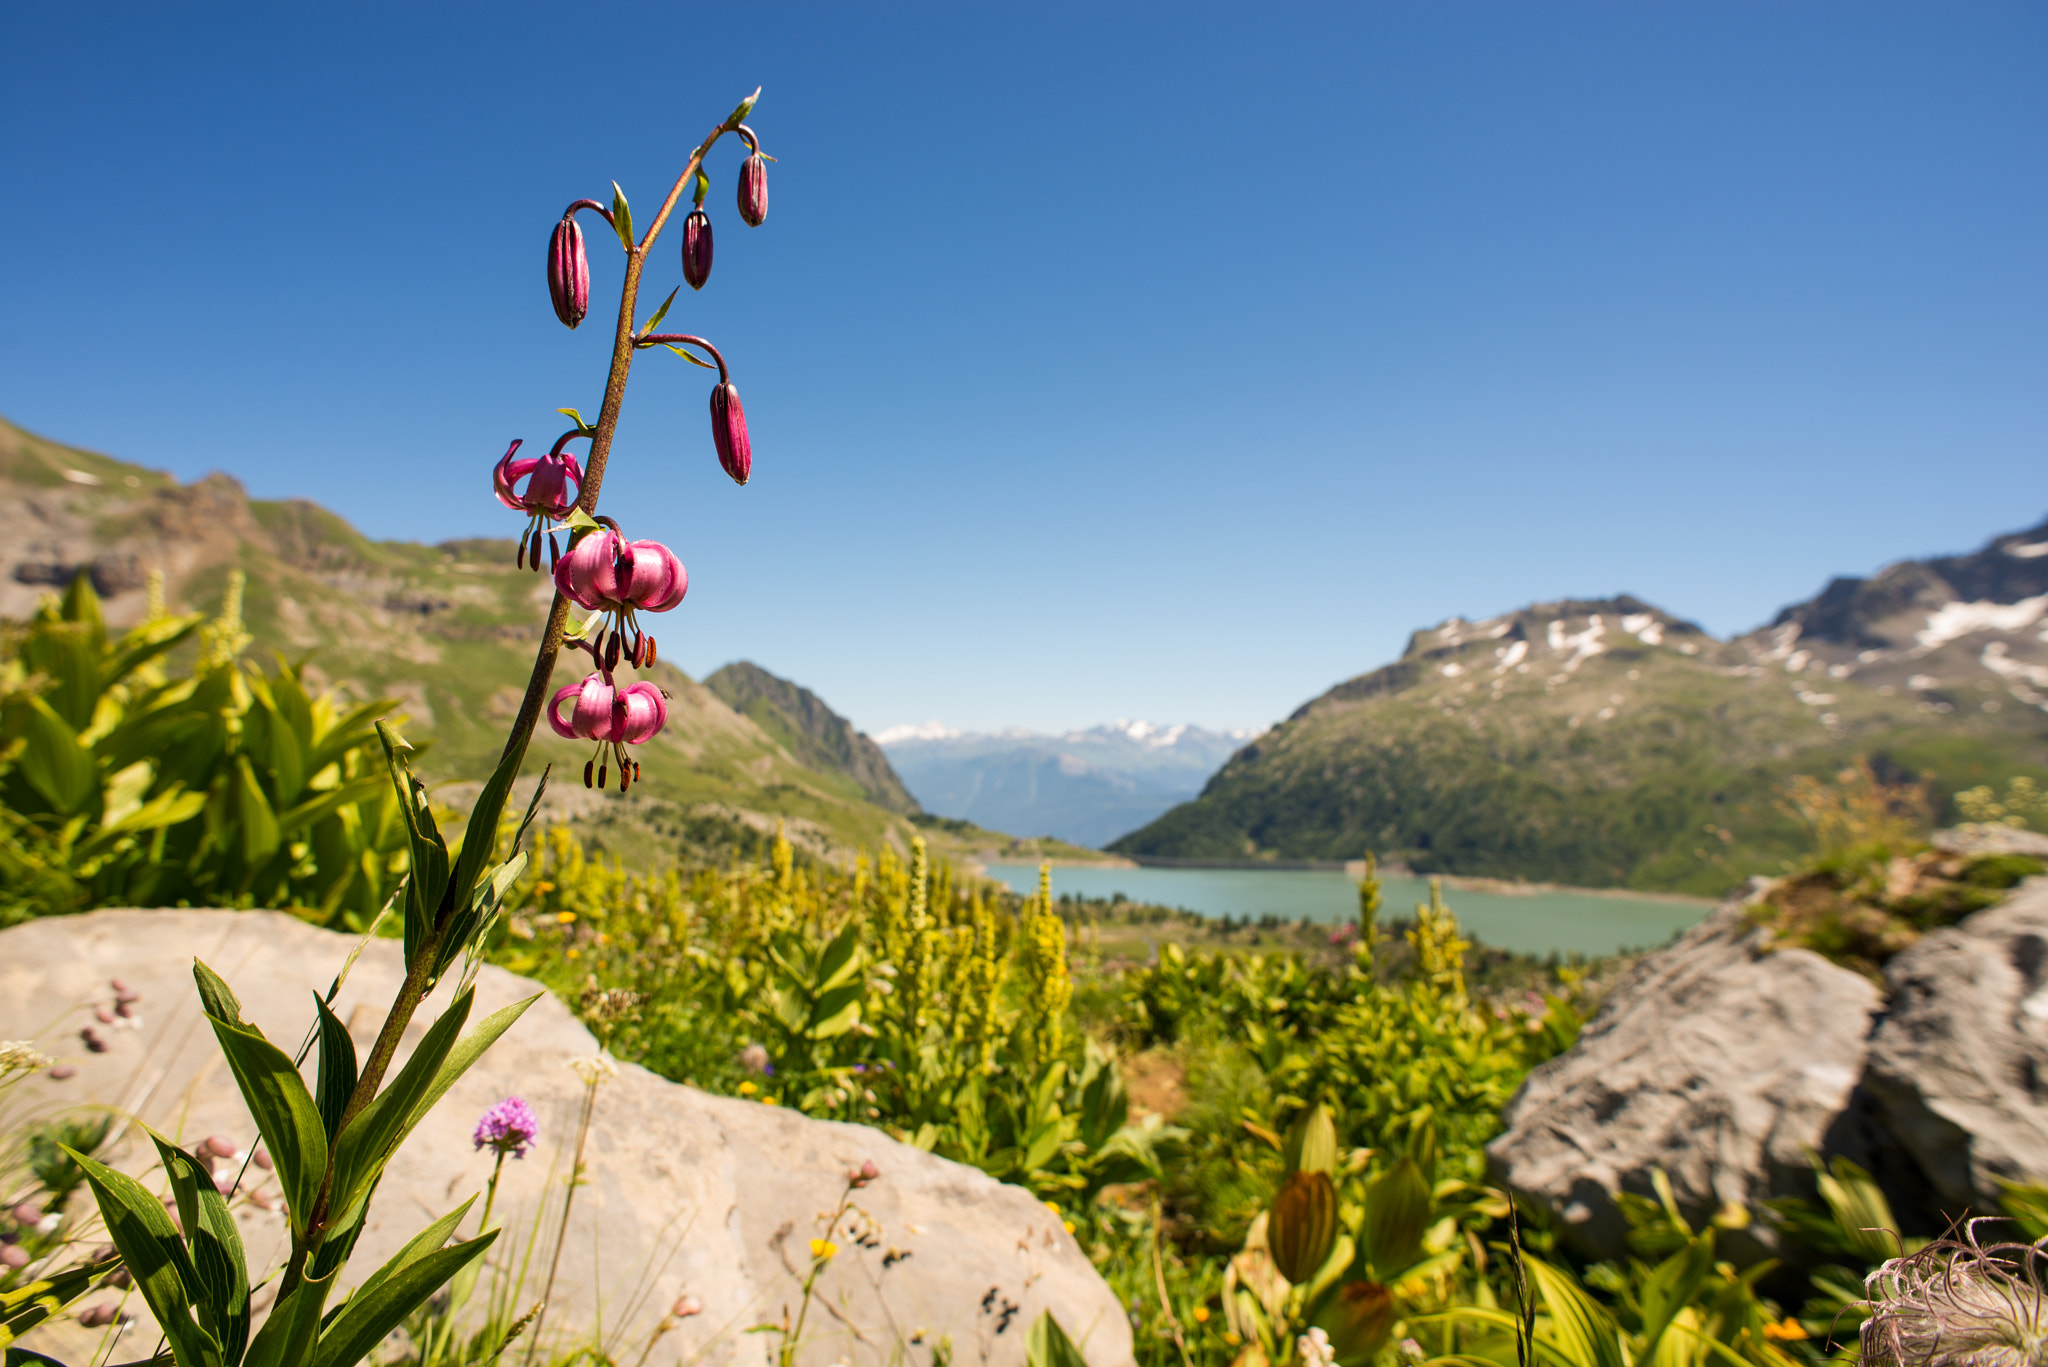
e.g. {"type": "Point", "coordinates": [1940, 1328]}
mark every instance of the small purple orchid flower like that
{"type": "Point", "coordinates": [547, 497]}
{"type": "Point", "coordinates": [509, 1127]}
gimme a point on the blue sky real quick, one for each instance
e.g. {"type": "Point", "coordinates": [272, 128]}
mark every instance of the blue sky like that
{"type": "Point", "coordinates": [1147, 360]}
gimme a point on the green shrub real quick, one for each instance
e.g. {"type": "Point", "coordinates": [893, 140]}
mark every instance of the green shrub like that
{"type": "Point", "coordinates": [121, 785]}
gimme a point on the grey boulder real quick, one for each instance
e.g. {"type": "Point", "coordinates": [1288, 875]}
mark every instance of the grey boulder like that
{"type": "Point", "coordinates": [688, 1199]}
{"type": "Point", "coordinates": [1958, 1068]}
{"type": "Point", "coordinates": [1715, 1059]}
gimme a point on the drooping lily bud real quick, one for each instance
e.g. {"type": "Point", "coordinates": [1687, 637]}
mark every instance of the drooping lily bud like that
{"type": "Point", "coordinates": [729, 433]}
{"type": "Point", "coordinates": [568, 273]}
{"type": "Point", "coordinates": [754, 190]}
{"type": "Point", "coordinates": [697, 248]}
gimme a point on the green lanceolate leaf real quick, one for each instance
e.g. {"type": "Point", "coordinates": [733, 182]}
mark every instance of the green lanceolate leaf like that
{"type": "Point", "coordinates": [367, 1142]}
{"type": "Point", "coordinates": [336, 1081]}
{"type": "Point", "coordinates": [1580, 1330]}
{"type": "Point", "coordinates": [652, 323]}
{"type": "Point", "coordinates": [622, 217]}
{"type": "Point", "coordinates": [427, 1241]}
{"type": "Point", "coordinates": [1048, 1345]}
{"type": "Point", "coordinates": [287, 1337]}
{"type": "Point", "coordinates": [156, 1259]}
{"type": "Point", "coordinates": [216, 996]}
{"type": "Point", "coordinates": [573, 416]}
{"type": "Point", "coordinates": [23, 1307]}
{"type": "Point", "coordinates": [466, 1052]}
{"type": "Point", "coordinates": [383, 1303]}
{"type": "Point", "coordinates": [429, 875]}
{"type": "Point", "coordinates": [285, 1114]}
{"type": "Point", "coordinates": [1397, 1211]}
{"type": "Point", "coordinates": [734, 120]}
{"type": "Point", "coordinates": [215, 1245]}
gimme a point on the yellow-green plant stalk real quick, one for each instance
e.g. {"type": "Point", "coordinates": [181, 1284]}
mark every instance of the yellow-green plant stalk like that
{"type": "Point", "coordinates": [1044, 951]}
{"type": "Point", "coordinates": [1439, 950]}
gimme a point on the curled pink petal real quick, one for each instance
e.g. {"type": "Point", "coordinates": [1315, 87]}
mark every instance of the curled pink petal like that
{"type": "Point", "coordinates": [657, 581]}
{"type": "Point", "coordinates": [592, 718]}
{"type": "Point", "coordinates": [646, 713]}
{"type": "Point", "coordinates": [562, 728]}
{"type": "Point", "coordinates": [507, 473]}
{"type": "Point", "coordinates": [588, 574]}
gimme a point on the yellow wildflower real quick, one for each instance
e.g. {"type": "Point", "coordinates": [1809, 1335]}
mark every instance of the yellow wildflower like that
{"type": "Point", "coordinates": [748, 1089]}
{"type": "Point", "coordinates": [1201, 1314]}
{"type": "Point", "coordinates": [822, 1250]}
{"type": "Point", "coordinates": [1787, 1330]}
{"type": "Point", "coordinates": [566, 918]}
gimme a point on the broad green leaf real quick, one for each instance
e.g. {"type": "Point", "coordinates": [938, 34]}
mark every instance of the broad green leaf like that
{"type": "Point", "coordinates": [1397, 1214]}
{"type": "Point", "coordinates": [145, 642]}
{"type": "Point", "coordinates": [155, 1257]}
{"type": "Point", "coordinates": [285, 1114]}
{"type": "Point", "coordinates": [215, 1245]}
{"type": "Point", "coordinates": [254, 814]}
{"type": "Point", "coordinates": [1669, 1288]}
{"type": "Point", "coordinates": [376, 1310]}
{"type": "Point", "coordinates": [622, 217]}
{"type": "Point", "coordinates": [325, 804]}
{"type": "Point", "coordinates": [1048, 1345]}
{"type": "Point", "coordinates": [1580, 1330]}
{"type": "Point", "coordinates": [56, 766]}
{"type": "Point", "coordinates": [367, 1142]}
{"type": "Point", "coordinates": [336, 1080]}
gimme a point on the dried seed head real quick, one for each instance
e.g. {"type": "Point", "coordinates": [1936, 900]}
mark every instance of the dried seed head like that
{"type": "Point", "coordinates": [1959, 1303]}
{"type": "Point", "coordinates": [568, 273]}
{"type": "Point", "coordinates": [697, 249]}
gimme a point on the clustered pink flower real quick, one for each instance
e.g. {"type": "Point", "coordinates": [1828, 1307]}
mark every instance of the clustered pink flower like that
{"type": "Point", "coordinates": [509, 1127]}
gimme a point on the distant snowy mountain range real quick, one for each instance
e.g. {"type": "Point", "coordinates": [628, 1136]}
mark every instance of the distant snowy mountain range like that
{"type": "Point", "coordinates": [1087, 787]}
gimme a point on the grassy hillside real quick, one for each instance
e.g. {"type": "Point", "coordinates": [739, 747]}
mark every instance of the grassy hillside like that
{"type": "Point", "coordinates": [1597, 743]}
{"type": "Point", "coordinates": [448, 630]}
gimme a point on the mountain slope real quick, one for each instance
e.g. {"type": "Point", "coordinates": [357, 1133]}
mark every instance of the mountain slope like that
{"type": "Point", "coordinates": [449, 630]}
{"type": "Point", "coordinates": [812, 732]}
{"type": "Point", "coordinates": [1086, 786]}
{"type": "Point", "coordinates": [1608, 743]}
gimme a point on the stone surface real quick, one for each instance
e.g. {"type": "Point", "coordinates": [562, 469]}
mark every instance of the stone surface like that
{"type": "Point", "coordinates": [1716, 1059]}
{"type": "Point", "coordinates": [686, 1193]}
{"type": "Point", "coordinates": [1976, 839]}
{"type": "Point", "coordinates": [1958, 1068]}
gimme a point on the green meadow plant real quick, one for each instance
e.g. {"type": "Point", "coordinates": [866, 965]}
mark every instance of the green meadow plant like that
{"type": "Point", "coordinates": [331, 1140]}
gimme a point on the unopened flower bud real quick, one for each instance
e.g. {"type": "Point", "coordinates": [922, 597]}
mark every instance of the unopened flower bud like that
{"type": "Point", "coordinates": [568, 273]}
{"type": "Point", "coordinates": [697, 248]}
{"type": "Point", "coordinates": [729, 433]}
{"type": "Point", "coordinates": [754, 190]}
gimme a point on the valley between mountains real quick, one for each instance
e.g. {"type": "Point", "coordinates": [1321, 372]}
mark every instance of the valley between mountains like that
{"type": "Point", "coordinates": [1598, 743]}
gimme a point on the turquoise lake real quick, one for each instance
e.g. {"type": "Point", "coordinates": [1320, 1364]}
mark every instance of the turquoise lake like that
{"type": "Point", "coordinates": [1564, 922]}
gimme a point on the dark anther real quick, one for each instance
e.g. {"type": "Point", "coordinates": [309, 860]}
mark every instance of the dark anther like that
{"type": "Point", "coordinates": [536, 550]}
{"type": "Point", "coordinates": [554, 551]}
{"type": "Point", "coordinates": [611, 653]}
{"type": "Point", "coordinates": [586, 771]}
{"type": "Point", "coordinates": [600, 776]}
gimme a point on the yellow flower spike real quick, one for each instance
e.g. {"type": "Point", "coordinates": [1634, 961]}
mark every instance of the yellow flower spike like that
{"type": "Point", "coordinates": [823, 1250]}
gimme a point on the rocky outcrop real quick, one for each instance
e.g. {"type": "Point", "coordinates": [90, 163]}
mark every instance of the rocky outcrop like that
{"type": "Point", "coordinates": [1725, 1060]}
{"type": "Point", "coordinates": [686, 1194]}
{"type": "Point", "coordinates": [1959, 1067]}
{"type": "Point", "coordinates": [1716, 1060]}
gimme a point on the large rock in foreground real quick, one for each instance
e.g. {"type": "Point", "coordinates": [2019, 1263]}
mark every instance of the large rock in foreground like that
{"type": "Point", "coordinates": [1715, 1059]}
{"type": "Point", "coordinates": [686, 1194]}
{"type": "Point", "coordinates": [1959, 1067]}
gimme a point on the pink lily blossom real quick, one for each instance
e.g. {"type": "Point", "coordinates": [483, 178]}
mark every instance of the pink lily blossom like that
{"type": "Point", "coordinates": [604, 572]}
{"type": "Point", "coordinates": [612, 716]}
{"type": "Point", "coordinates": [547, 496]}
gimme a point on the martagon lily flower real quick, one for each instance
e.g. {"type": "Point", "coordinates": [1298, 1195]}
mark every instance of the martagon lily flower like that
{"type": "Point", "coordinates": [613, 717]}
{"type": "Point", "coordinates": [547, 496]}
{"type": "Point", "coordinates": [604, 572]}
